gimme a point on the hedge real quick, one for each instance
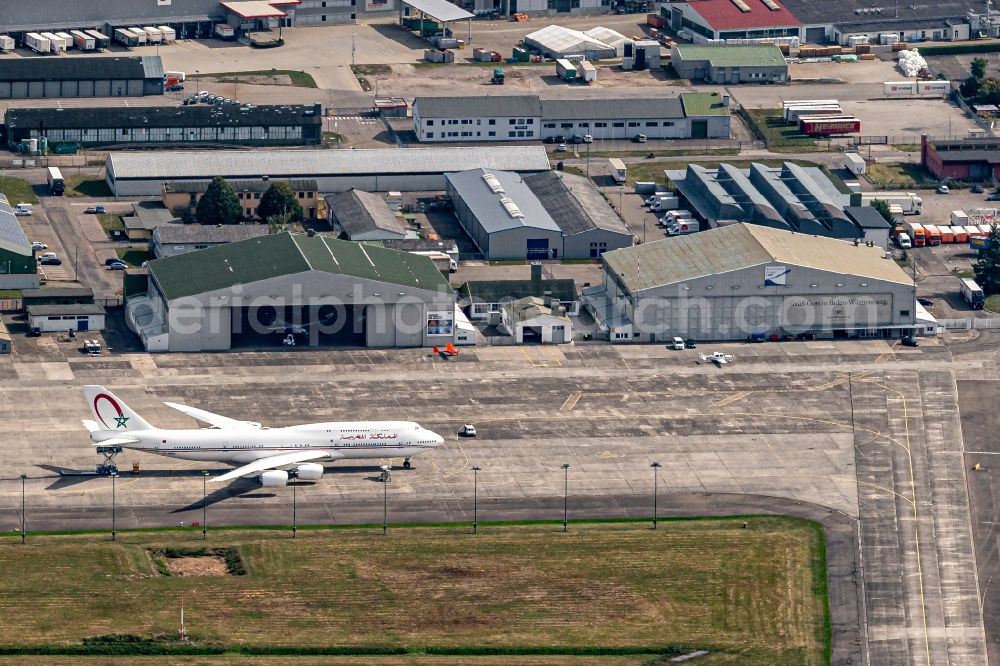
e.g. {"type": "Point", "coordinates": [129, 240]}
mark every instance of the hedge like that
{"type": "Point", "coordinates": [947, 49]}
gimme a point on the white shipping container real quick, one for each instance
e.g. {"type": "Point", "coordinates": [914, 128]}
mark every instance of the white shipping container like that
{"type": "Point", "coordinates": [941, 88]}
{"type": "Point", "coordinates": [140, 35]}
{"type": "Point", "coordinates": [959, 218]}
{"type": "Point", "coordinates": [6, 43]}
{"type": "Point", "coordinates": [37, 43]}
{"type": "Point", "coordinates": [153, 35]}
{"type": "Point", "coordinates": [67, 38]}
{"type": "Point", "coordinates": [56, 43]}
{"type": "Point", "coordinates": [854, 163]}
{"type": "Point", "coordinates": [169, 34]}
{"type": "Point", "coordinates": [899, 88]}
{"type": "Point", "coordinates": [101, 41]}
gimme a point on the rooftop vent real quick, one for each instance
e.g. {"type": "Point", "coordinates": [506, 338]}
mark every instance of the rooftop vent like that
{"type": "Point", "coordinates": [492, 182]}
{"type": "Point", "coordinates": [511, 207]}
{"type": "Point", "coordinates": [770, 4]}
{"type": "Point", "coordinates": [742, 6]}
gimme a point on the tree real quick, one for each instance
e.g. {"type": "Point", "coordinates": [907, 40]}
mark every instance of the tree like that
{"type": "Point", "coordinates": [987, 266]}
{"type": "Point", "coordinates": [279, 202]}
{"type": "Point", "coordinates": [883, 209]}
{"type": "Point", "coordinates": [978, 68]}
{"type": "Point", "coordinates": [219, 204]}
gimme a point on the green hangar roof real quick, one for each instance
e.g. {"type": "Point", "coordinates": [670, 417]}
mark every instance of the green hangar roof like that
{"type": "Point", "coordinates": [276, 255]}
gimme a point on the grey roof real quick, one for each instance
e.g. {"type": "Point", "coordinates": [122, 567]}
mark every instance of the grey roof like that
{"type": "Point", "coordinates": [12, 236]}
{"type": "Point", "coordinates": [257, 185]}
{"type": "Point", "coordinates": [419, 245]}
{"type": "Point", "coordinates": [278, 255]}
{"type": "Point", "coordinates": [738, 246]}
{"type": "Point", "coordinates": [359, 212]}
{"type": "Point", "coordinates": [530, 307]}
{"type": "Point", "coordinates": [199, 233]}
{"type": "Point", "coordinates": [58, 292]}
{"type": "Point", "coordinates": [867, 217]}
{"type": "Point", "coordinates": [814, 12]}
{"type": "Point", "coordinates": [442, 10]}
{"type": "Point", "coordinates": [81, 68]}
{"type": "Point", "coordinates": [148, 215]}
{"type": "Point", "coordinates": [498, 291]}
{"type": "Point", "coordinates": [574, 204]}
{"type": "Point", "coordinates": [316, 163]}
{"type": "Point", "coordinates": [481, 105]}
{"type": "Point", "coordinates": [488, 207]}
{"type": "Point", "coordinates": [65, 309]}
{"type": "Point", "coordinates": [198, 115]}
{"type": "Point", "coordinates": [612, 109]}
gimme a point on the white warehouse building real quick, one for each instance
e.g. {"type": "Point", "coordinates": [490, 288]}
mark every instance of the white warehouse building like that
{"type": "Point", "coordinates": [749, 281]}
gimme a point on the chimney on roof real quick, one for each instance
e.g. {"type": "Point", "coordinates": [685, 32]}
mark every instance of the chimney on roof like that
{"type": "Point", "coordinates": [536, 276]}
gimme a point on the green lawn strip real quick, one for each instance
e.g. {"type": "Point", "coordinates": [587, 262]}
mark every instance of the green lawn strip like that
{"type": "Point", "coordinates": [111, 222]}
{"type": "Point", "coordinates": [133, 256]}
{"type": "Point", "coordinates": [992, 303]}
{"type": "Point", "coordinates": [17, 190]}
{"type": "Point", "coordinates": [600, 589]}
{"type": "Point", "coordinates": [86, 186]}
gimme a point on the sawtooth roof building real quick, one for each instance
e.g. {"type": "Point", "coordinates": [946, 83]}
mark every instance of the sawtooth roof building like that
{"type": "Point", "coordinates": [319, 290]}
{"type": "Point", "coordinates": [18, 267]}
{"type": "Point", "coordinates": [748, 281]}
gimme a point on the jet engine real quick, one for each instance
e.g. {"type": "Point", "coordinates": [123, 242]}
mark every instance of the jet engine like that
{"type": "Point", "coordinates": [309, 471]}
{"type": "Point", "coordinates": [273, 477]}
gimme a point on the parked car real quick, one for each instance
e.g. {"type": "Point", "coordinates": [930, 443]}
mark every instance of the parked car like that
{"type": "Point", "coordinates": [22, 209]}
{"type": "Point", "coordinates": [559, 138]}
{"type": "Point", "coordinates": [576, 138]}
{"type": "Point", "coordinates": [561, 148]}
{"type": "Point", "coordinates": [35, 245]}
{"type": "Point", "coordinates": [690, 344]}
{"type": "Point", "coordinates": [95, 210]}
{"type": "Point", "coordinates": [468, 430]}
{"type": "Point", "coordinates": [118, 266]}
{"type": "Point", "coordinates": [909, 341]}
{"type": "Point", "coordinates": [112, 260]}
{"type": "Point", "coordinates": [677, 343]}
{"type": "Point", "coordinates": [639, 138]}
{"type": "Point", "coordinates": [943, 189]}
{"type": "Point", "coordinates": [35, 332]}
{"type": "Point", "coordinates": [587, 138]}
{"type": "Point", "coordinates": [50, 261]}
{"type": "Point", "coordinates": [926, 302]}
{"type": "Point", "coordinates": [550, 139]}
{"type": "Point", "coordinates": [48, 255]}
{"type": "Point", "coordinates": [994, 197]}
{"type": "Point", "coordinates": [977, 189]}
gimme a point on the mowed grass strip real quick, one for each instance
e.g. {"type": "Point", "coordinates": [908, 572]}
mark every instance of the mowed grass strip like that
{"type": "Point", "coordinates": [758, 591]}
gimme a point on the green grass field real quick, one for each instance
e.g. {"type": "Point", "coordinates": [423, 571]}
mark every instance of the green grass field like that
{"type": "Point", "coordinates": [133, 256]}
{"type": "Point", "coordinates": [992, 303]}
{"type": "Point", "coordinates": [111, 222]}
{"type": "Point", "coordinates": [899, 174]}
{"type": "Point", "coordinates": [778, 133]}
{"type": "Point", "coordinates": [86, 186]}
{"type": "Point", "coordinates": [17, 191]}
{"type": "Point", "coordinates": [752, 596]}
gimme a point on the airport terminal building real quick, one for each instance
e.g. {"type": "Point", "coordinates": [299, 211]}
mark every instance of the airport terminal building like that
{"type": "Point", "coordinates": [292, 288]}
{"type": "Point", "coordinates": [746, 281]}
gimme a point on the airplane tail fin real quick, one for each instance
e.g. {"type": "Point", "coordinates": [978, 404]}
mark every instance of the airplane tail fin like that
{"type": "Point", "coordinates": [110, 412]}
{"type": "Point", "coordinates": [450, 348]}
{"type": "Point", "coordinates": [436, 350]}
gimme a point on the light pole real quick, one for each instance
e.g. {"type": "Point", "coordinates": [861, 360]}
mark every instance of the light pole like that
{"type": "Point", "coordinates": [385, 505]}
{"type": "Point", "coordinates": [656, 468]}
{"type": "Point", "coordinates": [114, 476]}
{"type": "Point", "coordinates": [204, 505]}
{"type": "Point", "coordinates": [23, 521]}
{"type": "Point", "coordinates": [294, 510]}
{"type": "Point", "coordinates": [475, 498]}
{"type": "Point", "coordinates": [565, 468]}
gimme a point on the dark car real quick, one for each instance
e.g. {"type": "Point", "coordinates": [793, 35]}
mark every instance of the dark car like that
{"type": "Point", "coordinates": [559, 138]}
{"type": "Point", "coordinates": [50, 261]}
{"type": "Point", "coordinates": [690, 344]}
{"type": "Point", "coordinates": [35, 332]}
{"type": "Point", "coordinates": [550, 139]}
{"type": "Point", "coordinates": [95, 210]}
{"type": "Point", "coordinates": [977, 189]}
{"type": "Point", "coordinates": [909, 341]}
{"type": "Point", "coordinates": [926, 302]}
{"type": "Point", "coordinates": [576, 138]}
{"type": "Point", "coordinates": [994, 197]}
{"type": "Point", "coordinates": [112, 260]}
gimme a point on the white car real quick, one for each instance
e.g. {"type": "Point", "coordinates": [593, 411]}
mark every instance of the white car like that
{"type": "Point", "coordinates": [561, 148]}
{"type": "Point", "coordinates": [35, 245]}
{"type": "Point", "coordinates": [677, 344]}
{"type": "Point", "coordinates": [49, 255]}
{"type": "Point", "coordinates": [468, 430]}
{"type": "Point", "coordinates": [943, 189]}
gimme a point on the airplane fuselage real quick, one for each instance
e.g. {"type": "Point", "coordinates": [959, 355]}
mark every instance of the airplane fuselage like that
{"type": "Point", "coordinates": [342, 440]}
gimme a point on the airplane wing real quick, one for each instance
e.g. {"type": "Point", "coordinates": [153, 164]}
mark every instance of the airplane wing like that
{"type": "Point", "coordinates": [272, 462]}
{"type": "Point", "coordinates": [720, 360]}
{"type": "Point", "coordinates": [222, 422]}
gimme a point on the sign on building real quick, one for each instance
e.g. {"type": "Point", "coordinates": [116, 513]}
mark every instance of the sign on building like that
{"type": "Point", "coordinates": [774, 276]}
{"type": "Point", "coordinates": [805, 312]}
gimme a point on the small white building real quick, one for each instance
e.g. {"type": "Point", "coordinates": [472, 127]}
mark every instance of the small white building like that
{"type": "Point", "coordinates": [531, 320]}
{"type": "Point", "coordinates": [64, 317]}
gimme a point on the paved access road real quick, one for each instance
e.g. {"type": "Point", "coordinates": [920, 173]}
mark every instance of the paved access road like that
{"type": "Point", "coordinates": [864, 430]}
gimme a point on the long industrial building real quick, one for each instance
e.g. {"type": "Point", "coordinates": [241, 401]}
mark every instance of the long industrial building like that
{"type": "Point", "coordinates": [230, 124]}
{"type": "Point", "coordinates": [746, 281]}
{"type": "Point", "coordinates": [375, 170]}
{"type": "Point", "coordinates": [790, 197]}
{"type": "Point", "coordinates": [527, 117]}
{"type": "Point", "coordinates": [18, 268]}
{"type": "Point", "coordinates": [32, 78]}
{"type": "Point", "coordinates": [319, 290]}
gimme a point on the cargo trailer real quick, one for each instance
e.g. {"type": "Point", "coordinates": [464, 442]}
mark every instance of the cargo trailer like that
{"type": "Point", "coordinates": [56, 43]}
{"type": "Point", "coordinates": [972, 293]}
{"type": "Point", "coordinates": [792, 114]}
{"type": "Point", "coordinates": [125, 37]}
{"type": "Point", "coordinates": [854, 163]}
{"type": "Point", "coordinates": [6, 44]}
{"type": "Point", "coordinates": [587, 71]}
{"type": "Point", "coordinates": [566, 70]}
{"type": "Point", "coordinates": [224, 31]}
{"type": "Point", "coordinates": [153, 35]}
{"type": "Point", "coordinates": [37, 43]}
{"type": "Point", "coordinates": [67, 38]}
{"type": "Point", "coordinates": [140, 35]}
{"type": "Point", "coordinates": [829, 125]}
{"type": "Point", "coordinates": [618, 170]}
{"type": "Point", "coordinates": [101, 41]}
{"type": "Point", "coordinates": [83, 41]}
{"type": "Point", "coordinates": [169, 34]}
{"type": "Point", "coordinates": [947, 235]}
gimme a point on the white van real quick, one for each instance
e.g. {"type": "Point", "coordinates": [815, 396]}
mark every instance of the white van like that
{"type": "Point", "coordinates": [903, 241]}
{"type": "Point", "coordinates": [677, 343]}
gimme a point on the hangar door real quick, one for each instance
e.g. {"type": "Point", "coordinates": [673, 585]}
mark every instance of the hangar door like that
{"type": "Point", "coordinates": [311, 326]}
{"type": "Point", "coordinates": [815, 35]}
{"type": "Point", "coordinates": [699, 129]}
{"type": "Point", "coordinates": [538, 248]}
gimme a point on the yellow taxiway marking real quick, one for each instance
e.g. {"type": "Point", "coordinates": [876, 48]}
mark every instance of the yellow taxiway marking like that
{"type": "Point", "coordinates": [571, 401]}
{"type": "Point", "coordinates": [731, 399]}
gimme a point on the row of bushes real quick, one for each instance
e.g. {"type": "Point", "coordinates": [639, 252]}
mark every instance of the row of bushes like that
{"type": "Point", "coordinates": [949, 49]}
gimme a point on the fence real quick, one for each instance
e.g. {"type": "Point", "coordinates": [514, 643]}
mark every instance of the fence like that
{"type": "Point", "coordinates": [970, 323]}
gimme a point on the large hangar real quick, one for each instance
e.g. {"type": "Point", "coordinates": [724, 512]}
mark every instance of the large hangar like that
{"type": "Point", "coordinates": [32, 78]}
{"type": "Point", "coordinates": [374, 170]}
{"type": "Point", "coordinates": [292, 288]}
{"type": "Point", "coordinates": [748, 281]}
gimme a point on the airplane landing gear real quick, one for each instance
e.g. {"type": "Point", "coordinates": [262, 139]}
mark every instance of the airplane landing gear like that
{"type": "Point", "coordinates": [406, 463]}
{"type": "Point", "coordinates": [108, 467]}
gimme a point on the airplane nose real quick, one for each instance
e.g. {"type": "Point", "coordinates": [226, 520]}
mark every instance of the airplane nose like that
{"type": "Point", "coordinates": [438, 439]}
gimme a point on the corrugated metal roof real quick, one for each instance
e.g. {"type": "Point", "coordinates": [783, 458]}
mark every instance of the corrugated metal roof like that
{"type": "Point", "coordinates": [442, 10]}
{"type": "Point", "coordinates": [485, 106]}
{"type": "Point", "coordinates": [360, 212]}
{"type": "Point", "coordinates": [574, 204]}
{"type": "Point", "coordinates": [277, 255]}
{"type": "Point", "coordinates": [488, 206]}
{"type": "Point", "coordinates": [740, 246]}
{"type": "Point", "coordinates": [220, 115]}
{"type": "Point", "coordinates": [724, 15]}
{"type": "Point", "coordinates": [200, 233]}
{"type": "Point", "coordinates": [12, 236]}
{"type": "Point", "coordinates": [253, 9]}
{"type": "Point", "coordinates": [85, 68]}
{"type": "Point", "coordinates": [171, 165]}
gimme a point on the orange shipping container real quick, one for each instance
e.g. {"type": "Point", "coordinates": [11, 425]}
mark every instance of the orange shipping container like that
{"type": "Point", "coordinates": [947, 235]}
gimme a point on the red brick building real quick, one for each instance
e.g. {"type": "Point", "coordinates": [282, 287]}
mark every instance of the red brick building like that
{"type": "Point", "coordinates": [973, 159]}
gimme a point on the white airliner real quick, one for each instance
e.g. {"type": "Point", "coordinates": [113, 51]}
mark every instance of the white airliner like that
{"type": "Point", "coordinates": [272, 455]}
